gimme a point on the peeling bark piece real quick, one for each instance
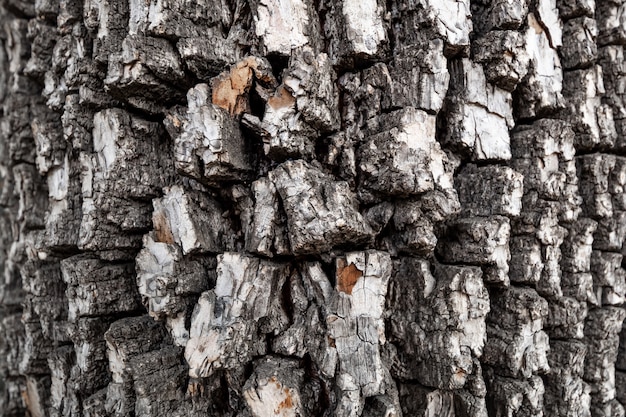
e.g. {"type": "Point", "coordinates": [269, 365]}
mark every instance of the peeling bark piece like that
{"type": "Point", "coordinates": [356, 320]}
{"type": "Point", "coordinates": [480, 114]}
{"type": "Point", "coordinates": [228, 321]}
{"type": "Point", "coordinates": [420, 401]}
{"type": "Point", "coordinates": [37, 394]}
{"type": "Point", "coordinates": [108, 22]}
{"type": "Point", "coordinates": [283, 129]}
{"type": "Point", "coordinates": [191, 219]}
{"type": "Point", "coordinates": [610, 17]}
{"type": "Point", "coordinates": [503, 56]}
{"type": "Point", "coordinates": [166, 281]}
{"type": "Point", "coordinates": [127, 167]}
{"type": "Point", "coordinates": [492, 190]}
{"type": "Point", "coordinates": [321, 213]}
{"type": "Point", "coordinates": [489, 15]}
{"type": "Point", "coordinates": [451, 19]}
{"type": "Point", "coordinates": [401, 157]}
{"type": "Point", "coordinates": [479, 241]}
{"type": "Point", "coordinates": [571, 9]}
{"type": "Point", "coordinates": [594, 171]}
{"type": "Point", "coordinates": [283, 25]}
{"type": "Point", "coordinates": [64, 214]}
{"type": "Point", "coordinates": [414, 232]}
{"type": "Point", "coordinates": [608, 277]}
{"type": "Point", "coordinates": [544, 154]}
{"type": "Point", "coordinates": [566, 394]}
{"type": "Point", "coordinates": [146, 67]}
{"type": "Point", "coordinates": [602, 339]}
{"type": "Point", "coordinates": [231, 89]}
{"type": "Point", "coordinates": [126, 339]}
{"type": "Point", "coordinates": [211, 147]}
{"type": "Point", "coordinates": [566, 318]}
{"type": "Point", "coordinates": [579, 43]}
{"type": "Point", "coordinates": [591, 119]}
{"type": "Point", "coordinates": [267, 232]}
{"type": "Point", "coordinates": [96, 288]}
{"type": "Point", "coordinates": [577, 247]}
{"type": "Point", "coordinates": [149, 370]}
{"type": "Point", "coordinates": [514, 397]}
{"type": "Point", "coordinates": [273, 389]}
{"type": "Point", "coordinates": [611, 58]}
{"type": "Point", "coordinates": [516, 344]}
{"type": "Point", "coordinates": [204, 61]}
{"type": "Point", "coordinates": [541, 91]}
{"type": "Point", "coordinates": [437, 322]}
{"type": "Point", "coordinates": [419, 76]}
{"type": "Point", "coordinates": [548, 15]}
{"type": "Point", "coordinates": [356, 30]}
{"type": "Point", "coordinates": [310, 80]}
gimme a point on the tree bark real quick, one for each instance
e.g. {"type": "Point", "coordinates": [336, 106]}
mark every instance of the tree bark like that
{"type": "Point", "coordinates": [312, 208]}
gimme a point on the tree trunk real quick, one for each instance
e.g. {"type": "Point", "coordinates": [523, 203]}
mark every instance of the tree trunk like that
{"type": "Point", "coordinates": [312, 208]}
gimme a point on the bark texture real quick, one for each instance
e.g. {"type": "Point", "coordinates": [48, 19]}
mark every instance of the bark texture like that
{"type": "Point", "coordinates": [255, 208]}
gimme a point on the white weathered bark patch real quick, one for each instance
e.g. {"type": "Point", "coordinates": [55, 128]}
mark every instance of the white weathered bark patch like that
{"type": "Point", "coordinates": [310, 80]}
{"type": "Point", "coordinates": [321, 213]}
{"type": "Point", "coordinates": [541, 90]}
{"type": "Point", "coordinates": [591, 119]}
{"type": "Point", "coordinates": [517, 345]}
{"type": "Point", "coordinates": [356, 322]}
{"type": "Point", "coordinates": [480, 241]}
{"type": "Point", "coordinates": [225, 321]}
{"type": "Point", "coordinates": [165, 280]}
{"type": "Point", "coordinates": [437, 322]}
{"type": "Point", "coordinates": [125, 168]}
{"type": "Point", "coordinates": [192, 220]}
{"type": "Point", "coordinates": [274, 389]}
{"type": "Point", "coordinates": [402, 157]}
{"type": "Point", "coordinates": [419, 76]}
{"type": "Point", "coordinates": [481, 114]}
{"type": "Point", "coordinates": [267, 232]}
{"type": "Point", "coordinates": [356, 31]}
{"type": "Point", "coordinates": [452, 20]}
{"type": "Point", "coordinates": [210, 147]}
{"type": "Point", "coordinates": [364, 25]}
{"type": "Point", "coordinates": [282, 25]}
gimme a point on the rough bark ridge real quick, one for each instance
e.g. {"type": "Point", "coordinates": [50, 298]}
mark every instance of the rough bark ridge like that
{"type": "Point", "coordinates": [312, 208]}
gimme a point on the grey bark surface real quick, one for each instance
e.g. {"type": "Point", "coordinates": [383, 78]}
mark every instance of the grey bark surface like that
{"type": "Point", "coordinates": [352, 208]}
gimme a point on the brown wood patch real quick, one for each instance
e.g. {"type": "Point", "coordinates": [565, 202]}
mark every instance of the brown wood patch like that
{"type": "Point", "coordinates": [281, 99]}
{"type": "Point", "coordinates": [286, 403]}
{"type": "Point", "coordinates": [162, 230]}
{"type": "Point", "coordinates": [347, 276]}
{"type": "Point", "coordinates": [230, 89]}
